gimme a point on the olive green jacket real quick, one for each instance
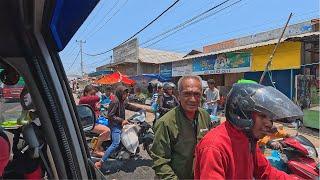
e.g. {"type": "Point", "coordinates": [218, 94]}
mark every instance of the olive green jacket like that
{"type": "Point", "coordinates": [174, 143]}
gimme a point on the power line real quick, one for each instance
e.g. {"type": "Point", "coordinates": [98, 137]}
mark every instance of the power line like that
{"type": "Point", "coordinates": [112, 16]}
{"type": "Point", "coordinates": [135, 34]}
{"type": "Point", "coordinates": [196, 41]}
{"type": "Point", "coordinates": [74, 61]}
{"type": "Point", "coordinates": [184, 23]}
{"type": "Point", "coordinates": [68, 53]}
{"type": "Point", "coordinates": [99, 61]}
{"type": "Point", "coordinates": [188, 23]}
{"type": "Point", "coordinates": [151, 21]}
{"type": "Point", "coordinates": [102, 19]}
{"type": "Point", "coordinates": [94, 17]}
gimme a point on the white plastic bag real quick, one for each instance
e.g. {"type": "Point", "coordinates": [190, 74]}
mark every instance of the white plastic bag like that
{"type": "Point", "coordinates": [129, 137]}
{"type": "Point", "coordinates": [141, 117]}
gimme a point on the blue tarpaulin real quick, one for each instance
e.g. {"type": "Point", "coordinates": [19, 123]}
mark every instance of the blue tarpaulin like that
{"type": "Point", "coordinates": [67, 18]}
{"type": "Point", "coordinates": [99, 73]}
{"type": "Point", "coordinates": [150, 77]}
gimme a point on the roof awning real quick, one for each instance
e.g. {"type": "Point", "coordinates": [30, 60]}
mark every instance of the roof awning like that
{"type": "Point", "coordinates": [274, 41]}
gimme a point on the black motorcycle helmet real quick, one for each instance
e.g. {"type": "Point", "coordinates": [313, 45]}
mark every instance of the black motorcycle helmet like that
{"type": "Point", "coordinates": [245, 98]}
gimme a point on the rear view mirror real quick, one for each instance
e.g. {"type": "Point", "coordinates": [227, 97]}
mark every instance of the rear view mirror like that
{"type": "Point", "coordinates": [87, 117]}
{"type": "Point", "coordinates": [9, 76]}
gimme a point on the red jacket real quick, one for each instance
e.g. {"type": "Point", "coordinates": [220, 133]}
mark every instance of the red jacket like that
{"type": "Point", "coordinates": [92, 101]}
{"type": "Point", "coordinates": [224, 153]}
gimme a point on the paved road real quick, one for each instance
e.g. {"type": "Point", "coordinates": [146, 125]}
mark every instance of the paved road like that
{"type": "Point", "coordinates": [10, 110]}
{"type": "Point", "coordinates": [140, 168]}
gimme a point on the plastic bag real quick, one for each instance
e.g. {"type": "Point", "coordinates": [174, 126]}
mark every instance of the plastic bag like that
{"type": "Point", "coordinates": [129, 137]}
{"type": "Point", "coordinates": [139, 116]}
{"type": "Point", "coordinates": [102, 120]}
{"type": "Point", "coordinates": [154, 107]}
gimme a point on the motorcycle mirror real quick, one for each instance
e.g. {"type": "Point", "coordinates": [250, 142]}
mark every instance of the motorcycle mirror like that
{"type": "Point", "coordinates": [9, 76]}
{"type": "Point", "coordinates": [299, 125]}
{"type": "Point", "coordinates": [87, 117]}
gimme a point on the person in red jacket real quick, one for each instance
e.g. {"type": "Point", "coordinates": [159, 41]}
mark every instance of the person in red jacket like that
{"type": "Point", "coordinates": [89, 97]}
{"type": "Point", "coordinates": [230, 151]}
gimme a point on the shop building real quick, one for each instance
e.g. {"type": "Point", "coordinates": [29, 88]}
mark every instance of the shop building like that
{"type": "Point", "coordinates": [227, 62]}
{"type": "Point", "coordinates": [131, 60]}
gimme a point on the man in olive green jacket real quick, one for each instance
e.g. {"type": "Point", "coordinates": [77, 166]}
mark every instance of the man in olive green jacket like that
{"type": "Point", "coordinates": [178, 132]}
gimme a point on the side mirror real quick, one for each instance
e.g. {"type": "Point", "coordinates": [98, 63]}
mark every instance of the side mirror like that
{"type": "Point", "coordinates": [87, 117]}
{"type": "Point", "coordinates": [299, 123]}
{"type": "Point", "coordinates": [9, 76]}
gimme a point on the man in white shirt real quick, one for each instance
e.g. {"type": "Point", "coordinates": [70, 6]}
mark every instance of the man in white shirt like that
{"type": "Point", "coordinates": [212, 97]}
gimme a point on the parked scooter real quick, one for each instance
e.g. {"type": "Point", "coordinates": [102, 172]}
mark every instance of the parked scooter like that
{"type": "Point", "coordinates": [298, 158]}
{"type": "Point", "coordinates": [137, 132]}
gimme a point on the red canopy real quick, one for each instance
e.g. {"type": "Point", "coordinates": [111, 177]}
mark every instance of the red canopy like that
{"type": "Point", "coordinates": [115, 78]}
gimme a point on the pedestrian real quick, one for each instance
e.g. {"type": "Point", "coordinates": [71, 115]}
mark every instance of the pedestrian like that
{"type": "Point", "coordinates": [155, 102]}
{"type": "Point", "coordinates": [150, 88]}
{"type": "Point", "coordinates": [89, 97]}
{"type": "Point", "coordinates": [212, 97]}
{"type": "Point", "coordinates": [167, 101]}
{"type": "Point", "coordinates": [178, 131]}
{"type": "Point", "coordinates": [131, 89]}
{"type": "Point", "coordinates": [116, 116]}
{"type": "Point", "coordinates": [107, 97]}
{"type": "Point", "coordinates": [230, 151]}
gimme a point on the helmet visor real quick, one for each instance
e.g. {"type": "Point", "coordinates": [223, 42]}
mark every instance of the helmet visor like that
{"type": "Point", "coordinates": [275, 105]}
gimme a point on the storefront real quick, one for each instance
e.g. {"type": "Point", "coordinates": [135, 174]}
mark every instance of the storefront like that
{"type": "Point", "coordinates": [307, 82]}
{"type": "Point", "coordinates": [224, 68]}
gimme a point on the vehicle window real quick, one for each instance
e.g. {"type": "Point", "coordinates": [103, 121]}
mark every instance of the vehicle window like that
{"type": "Point", "coordinates": [19, 120]}
{"type": "Point", "coordinates": [11, 109]}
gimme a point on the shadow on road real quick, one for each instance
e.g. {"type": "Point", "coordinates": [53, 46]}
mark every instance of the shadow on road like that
{"type": "Point", "coordinates": [127, 166]}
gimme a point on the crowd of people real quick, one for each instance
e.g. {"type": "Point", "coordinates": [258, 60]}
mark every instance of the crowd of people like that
{"type": "Point", "coordinates": [185, 144]}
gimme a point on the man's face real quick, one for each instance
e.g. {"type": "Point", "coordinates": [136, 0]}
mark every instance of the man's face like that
{"type": "Point", "coordinates": [211, 86]}
{"type": "Point", "coordinates": [262, 125]}
{"type": "Point", "coordinates": [190, 95]}
{"type": "Point", "coordinates": [170, 91]}
{"type": "Point", "coordinates": [125, 95]}
{"type": "Point", "coordinates": [108, 92]}
{"type": "Point", "coordinates": [92, 93]}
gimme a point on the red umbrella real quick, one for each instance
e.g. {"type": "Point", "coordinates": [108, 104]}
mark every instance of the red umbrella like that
{"type": "Point", "coordinates": [115, 78]}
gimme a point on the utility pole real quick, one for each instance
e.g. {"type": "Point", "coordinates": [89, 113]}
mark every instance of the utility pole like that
{"type": "Point", "coordinates": [81, 63]}
{"type": "Point", "coordinates": [274, 51]}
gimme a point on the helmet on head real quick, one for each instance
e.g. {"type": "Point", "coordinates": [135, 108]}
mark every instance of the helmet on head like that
{"type": "Point", "coordinates": [159, 85]}
{"type": "Point", "coordinates": [168, 85]}
{"type": "Point", "coordinates": [108, 87]}
{"type": "Point", "coordinates": [243, 99]}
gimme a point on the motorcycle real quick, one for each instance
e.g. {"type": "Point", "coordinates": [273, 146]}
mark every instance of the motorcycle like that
{"type": "Point", "coordinates": [298, 158]}
{"type": "Point", "coordinates": [137, 132]}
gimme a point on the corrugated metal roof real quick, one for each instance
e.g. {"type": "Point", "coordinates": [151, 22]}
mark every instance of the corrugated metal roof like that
{"type": "Point", "coordinates": [157, 56]}
{"type": "Point", "coordinates": [274, 41]}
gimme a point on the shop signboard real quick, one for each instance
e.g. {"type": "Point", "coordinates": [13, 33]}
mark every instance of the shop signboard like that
{"type": "Point", "coordinates": [166, 70]}
{"type": "Point", "coordinates": [292, 30]}
{"type": "Point", "coordinates": [222, 63]}
{"type": "Point", "coordinates": [181, 68]}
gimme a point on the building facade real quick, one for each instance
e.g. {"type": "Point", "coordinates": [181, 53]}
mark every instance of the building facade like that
{"type": "Point", "coordinates": [246, 57]}
{"type": "Point", "coordinates": [130, 59]}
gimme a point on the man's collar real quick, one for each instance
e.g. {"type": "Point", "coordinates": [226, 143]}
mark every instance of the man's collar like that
{"type": "Point", "coordinates": [184, 113]}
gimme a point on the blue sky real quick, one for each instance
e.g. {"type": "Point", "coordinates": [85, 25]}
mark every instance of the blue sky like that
{"type": "Point", "coordinates": [113, 21]}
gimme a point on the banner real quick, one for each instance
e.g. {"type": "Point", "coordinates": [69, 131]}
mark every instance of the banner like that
{"type": "Point", "coordinates": [222, 63]}
{"type": "Point", "coordinates": [181, 68]}
{"type": "Point", "coordinates": [166, 70]}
